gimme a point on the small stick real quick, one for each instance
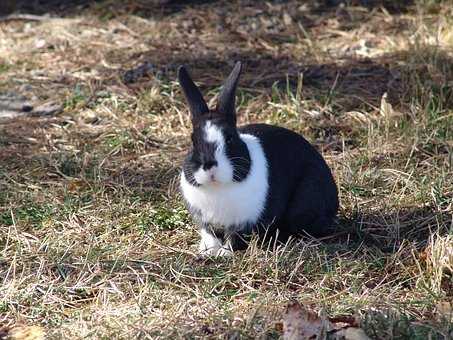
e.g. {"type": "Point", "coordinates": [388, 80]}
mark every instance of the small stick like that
{"type": "Point", "coordinates": [25, 17]}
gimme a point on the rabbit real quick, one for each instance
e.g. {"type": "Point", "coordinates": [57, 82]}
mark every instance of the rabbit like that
{"type": "Point", "coordinates": [257, 178]}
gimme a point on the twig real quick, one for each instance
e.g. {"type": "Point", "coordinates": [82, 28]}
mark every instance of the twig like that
{"type": "Point", "coordinates": [25, 17]}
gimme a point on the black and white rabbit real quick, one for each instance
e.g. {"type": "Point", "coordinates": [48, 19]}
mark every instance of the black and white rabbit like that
{"type": "Point", "coordinates": [255, 178]}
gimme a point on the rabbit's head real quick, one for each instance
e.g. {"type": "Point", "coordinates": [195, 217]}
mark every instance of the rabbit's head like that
{"type": "Point", "coordinates": [219, 156]}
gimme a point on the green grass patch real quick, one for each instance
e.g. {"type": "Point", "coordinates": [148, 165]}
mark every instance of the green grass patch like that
{"type": "Point", "coordinates": [31, 215]}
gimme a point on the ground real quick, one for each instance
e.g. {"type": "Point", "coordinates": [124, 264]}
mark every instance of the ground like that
{"type": "Point", "coordinates": [95, 241]}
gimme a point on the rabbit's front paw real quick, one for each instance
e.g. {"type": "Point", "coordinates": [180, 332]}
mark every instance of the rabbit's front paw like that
{"type": "Point", "coordinates": [225, 251]}
{"type": "Point", "coordinates": [205, 251]}
{"type": "Point", "coordinates": [209, 244]}
{"type": "Point", "coordinates": [212, 246]}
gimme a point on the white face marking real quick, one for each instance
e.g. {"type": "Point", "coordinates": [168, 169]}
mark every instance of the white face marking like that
{"type": "Point", "coordinates": [213, 134]}
{"type": "Point", "coordinates": [235, 203]}
{"type": "Point", "coordinates": [223, 172]}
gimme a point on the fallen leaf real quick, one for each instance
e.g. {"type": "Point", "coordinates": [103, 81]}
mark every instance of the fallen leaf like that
{"type": "Point", "coordinates": [444, 309]}
{"type": "Point", "coordinates": [40, 43]}
{"type": "Point", "coordinates": [26, 333]}
{"type": "Point", "coordinates": [386, 108]}
{"type": "Point", "coordinates": [287, 19]}
{"type": "Point", "coordinates": [279, 327]}
{"type": "Point", "coordinates": [351, 333]}
{"type": "Point", "coordinates": [76, 185]}
{"type": "Point", "coordinates": [300, 323]}
{"type": "Point", "coordinates": [47, 109]}
{"type": "Point", "coordinates": [344, 321]}
{"type": "Point", "coordinates": [4, 330]}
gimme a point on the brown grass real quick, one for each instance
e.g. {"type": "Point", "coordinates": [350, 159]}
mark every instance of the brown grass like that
{"type": "Point", "coordinates": [94, 239]}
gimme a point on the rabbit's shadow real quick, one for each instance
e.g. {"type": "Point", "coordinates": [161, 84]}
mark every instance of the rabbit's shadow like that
{"type": "Point", "coordinates": [387, 231]}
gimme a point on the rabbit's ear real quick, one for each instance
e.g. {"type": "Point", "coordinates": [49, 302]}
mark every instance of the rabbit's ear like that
{"type": "Point", "coordinates": [194, 98]}
{"type": "Point", "coordinates": [226, 101]}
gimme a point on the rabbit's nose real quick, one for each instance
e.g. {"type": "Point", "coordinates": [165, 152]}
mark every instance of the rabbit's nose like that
{"type": "Point", "coordinates": [209, 164]}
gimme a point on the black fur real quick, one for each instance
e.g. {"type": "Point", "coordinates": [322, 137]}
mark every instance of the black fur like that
{"type": "Point", "coordinates": [202, 152]}
{"type": "Point", "coordinates": [302, 194]}
{"type": "Point", "coordinates": [192, 93]}
{"type": "Point", "coordinates": [227, 97]}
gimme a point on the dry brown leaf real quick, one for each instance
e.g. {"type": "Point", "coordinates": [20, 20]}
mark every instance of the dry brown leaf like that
{"type": "Point", "coordinates": [386, 107]}
{"type": "Point", "coordinates": [287, 19]}
{"type": "Point", "coordinates": [26, 333]}
{"type": "Point", "coordinates": [343, 321]}
{"type": "Point", "coordinates": [76, 185]}
{"type": "Point", "coordinates": [301, 323]}
{"type": "Point", "coordinates": [387, 110]}
{"type": "Point", "coordinates": [444, 309]}
{"type": "Point", "coordinates": [351, 333]}
{"type": "Point", "coordinates": [4, 330]}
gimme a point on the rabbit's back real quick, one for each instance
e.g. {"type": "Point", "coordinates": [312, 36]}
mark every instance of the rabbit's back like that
{"type": "Point", "coordinates": [295, 168]}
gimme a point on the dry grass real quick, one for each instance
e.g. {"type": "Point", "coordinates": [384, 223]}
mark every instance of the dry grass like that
{"type": "Point", "coordinates": [94, 238]}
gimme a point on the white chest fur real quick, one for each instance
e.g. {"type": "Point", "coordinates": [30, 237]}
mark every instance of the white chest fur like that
{"type": "Point", "coordinates": [233, 203]}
